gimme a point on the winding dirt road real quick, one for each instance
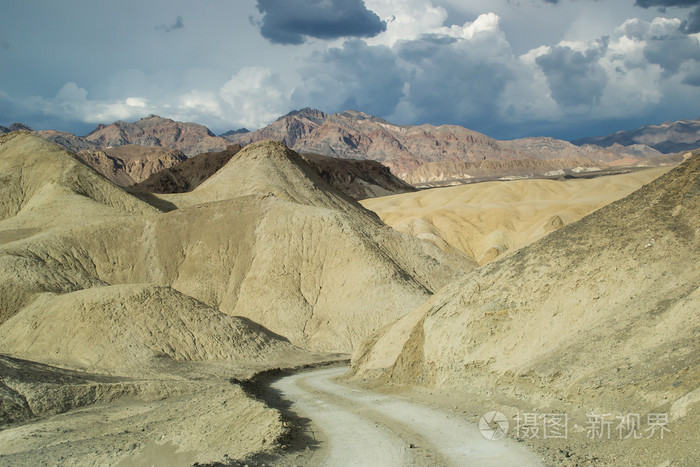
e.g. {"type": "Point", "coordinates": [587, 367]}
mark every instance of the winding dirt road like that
{"type": "Point", "coordinates": [360, 427]}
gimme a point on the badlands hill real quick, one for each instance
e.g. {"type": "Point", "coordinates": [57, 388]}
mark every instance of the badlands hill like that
{"type": "Point", "coordinates": [668, 137]}
{"type": "Point", "coordinates": [53, 265]}
{"type": "Point", "coordinates": [104, 297]}
{"type": "Point", "coordinates": [601, 316]}
{"type": "Point", "coordinates": [427, 153]}
{"type": "Point", "coordinates": [187, 174]}
{"type": "Point", "coordinates": [264, 238]}
{"type": "Point", "coordinates": [357, 179]}
{"type": "Point", "coordinates": [486, 220]}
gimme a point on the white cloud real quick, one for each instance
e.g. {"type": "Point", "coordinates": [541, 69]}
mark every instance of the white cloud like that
{"type": "Point", "coordinates": [489, 23]}
{"type": "Point", "coordinates": [136, 102]}
{"type": "Point", "coordinates": [255, 96]}
{"type": "Point", "coordinates": [406, 19]}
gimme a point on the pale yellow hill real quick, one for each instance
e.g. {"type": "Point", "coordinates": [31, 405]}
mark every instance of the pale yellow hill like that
{"type": "Point", "coordinates": [134, 422]}
{"type": "Point", "coordinates": [602, 316]}
{"type": "Point", "coordinates": [485, 220]}
{"type": "Point", "coordinates": [265, 238]}
{"type": "Point", "coordinates": [130, 328]}
{"type": "Point", "coordinates": [253, 270]}
{"type": "Point", "coordinates": [267, 168]}
{"type": "Point", "coordinates": [43, 186]}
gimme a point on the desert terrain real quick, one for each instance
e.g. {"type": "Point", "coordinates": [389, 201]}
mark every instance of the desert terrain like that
{"type": "Point", "coordinates": [125, 313]}
{"type": "Point", "coordinates": [489, 219]}
{"type": "Point", "coordinates": [597, 319]}
{"type": "Point", "coordinates": [350, 233]}
{"type": "Point", "coordinates": [141, 328]}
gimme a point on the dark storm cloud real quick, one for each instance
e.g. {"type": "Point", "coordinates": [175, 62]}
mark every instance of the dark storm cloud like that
{"type": "Point", "coordinates": [457, 81]}
{"type": "Point", "coordinates": [692, 24]}
{"type": "Point", "coordinates": [693, 78]}
{"type": "Point", "coordinates": [291, 21]}
{"type": "Point", "coordinates": [178, 24]}
{"type": "Point", "coordinates": [356, 76]}
{"type": "Point", "coordinates": [575, 78]}
{"type": "Point", "coordinates": [671, 52]}
{"type": "Point", "coordinates": [665, 3]}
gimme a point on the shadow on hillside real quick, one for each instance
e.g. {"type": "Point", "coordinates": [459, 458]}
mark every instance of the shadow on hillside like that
{"type": "Point", "coordinates": [153, 200]}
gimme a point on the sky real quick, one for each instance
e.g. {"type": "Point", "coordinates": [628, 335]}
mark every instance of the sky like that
{"type": "Point", "coordinates": [507, 68]}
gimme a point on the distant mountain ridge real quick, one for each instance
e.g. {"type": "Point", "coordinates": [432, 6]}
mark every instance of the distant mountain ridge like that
{"type": "Point", "coordinates": [190, 138]}
{"type": "Point", "coordinates": [428, 153]}
{"type": "Point", "coordinates": [423, 154]}
{"type": "Point", "coordinates": [14, 127]}
{"type": "Point", "coordinates": [668, 137]}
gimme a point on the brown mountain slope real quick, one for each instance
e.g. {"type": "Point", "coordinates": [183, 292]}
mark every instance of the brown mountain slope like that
{"type": "Point", "coordinates": [129, 164]}
{"type": "Point", "coordinates": [190, 138]}
{"type": "Point", "coordinates": [287, 129]}
{"type": "Point", "coordinates": [406, 149]}
{"type": "Point", "coordinates": [359, 179]}
{"type": "Point", "coordinates": [124, 165]}
{"type": "Point", "coordinates": [601, 316]}
{"type": "Point", "coordinates": [188, 174]}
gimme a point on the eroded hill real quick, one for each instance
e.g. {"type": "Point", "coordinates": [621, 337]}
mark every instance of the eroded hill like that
{"type": "Point", "coordinates": [487, 220]}
{"type": "Point", "coordinates": [601, 316]}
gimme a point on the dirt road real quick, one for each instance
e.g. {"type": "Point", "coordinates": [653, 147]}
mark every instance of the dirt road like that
{"type": "Point", "coordinates": [360, 427]}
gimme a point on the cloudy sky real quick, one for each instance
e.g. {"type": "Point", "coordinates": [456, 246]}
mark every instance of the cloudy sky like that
{"type": "Point", "coordinates": [508, 68]}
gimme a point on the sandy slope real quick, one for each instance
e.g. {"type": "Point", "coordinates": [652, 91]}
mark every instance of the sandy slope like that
{"type": "Point", "coordinates": [485, 220]}
{"type": "Point", "coordinates": [169, 423]}
{"type": "Point", "coordinates": [264, 238]}
{"type": "Point", "coordinates": [127, 328]}
{"type": "Point", "coordinates": [601, 316]}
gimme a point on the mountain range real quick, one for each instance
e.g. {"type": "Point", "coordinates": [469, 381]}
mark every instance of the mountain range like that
{"type": "Point", "coordinates": [668, 137]}
{"type": "Point", "coordinates": [428, 153]}
{"type": "Point", "coordinates": [419, 155]}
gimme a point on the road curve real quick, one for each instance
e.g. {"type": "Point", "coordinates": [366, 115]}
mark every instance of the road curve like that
{"type": "Point", "coordinates": [361, 427]}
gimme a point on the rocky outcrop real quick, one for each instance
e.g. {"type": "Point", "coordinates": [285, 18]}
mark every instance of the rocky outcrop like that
{"type": "Point", "coordinates": [15, 127]}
